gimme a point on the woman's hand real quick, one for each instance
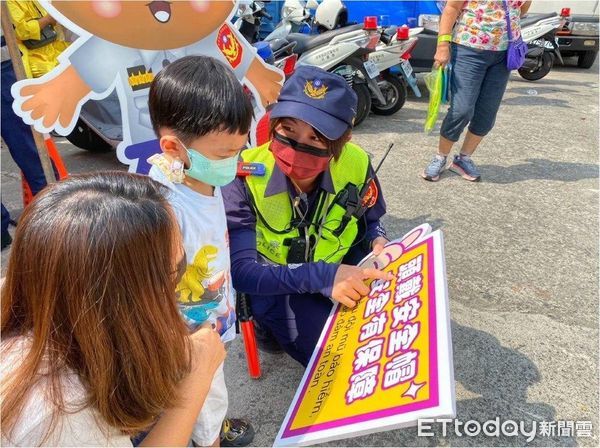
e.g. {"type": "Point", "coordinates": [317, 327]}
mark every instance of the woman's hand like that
{"type": "Point", "coordinates": [175, 425]}
{"type": "Point", "coordinates": [378, 244]}
{"type": "Point", "coordinates": [47, 20]}
{"type": "Point", "coordinates": [208, 352]}
{"type": "Point", "coordinates": [349, 286]}
{"type": "Point", "coordinates": [442, 55]}
{"type": "Point", "coordinates": [451, 11]}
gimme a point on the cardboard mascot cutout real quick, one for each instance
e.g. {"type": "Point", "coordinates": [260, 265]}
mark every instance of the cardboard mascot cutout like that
{"type": "Point", "coordinates": [121, 46]}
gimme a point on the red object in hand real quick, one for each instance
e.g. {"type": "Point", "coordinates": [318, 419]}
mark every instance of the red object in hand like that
{"type": "Point", "coordinates": [370, 23]}
{"type": "Point", "coordinates": [565, 12]}
{"type": "Point", "coordinates": [249, 336]}
{"type": "Point", "coordinates": [403, 33]}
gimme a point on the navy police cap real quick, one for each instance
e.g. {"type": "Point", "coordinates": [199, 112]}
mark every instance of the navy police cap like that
{"type": "Point", "coordinates": [322, 99]}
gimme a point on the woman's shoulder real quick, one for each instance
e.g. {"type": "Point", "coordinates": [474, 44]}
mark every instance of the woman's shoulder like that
{"type": "Point", "coordinates": [39, 423]}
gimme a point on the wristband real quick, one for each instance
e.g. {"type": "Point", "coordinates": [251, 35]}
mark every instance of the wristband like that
{"type": "Point", "coordinates": [444, 38]}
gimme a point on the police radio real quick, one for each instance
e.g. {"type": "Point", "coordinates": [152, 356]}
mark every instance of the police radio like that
{"type": "Point", "coordinates": [353, 200]}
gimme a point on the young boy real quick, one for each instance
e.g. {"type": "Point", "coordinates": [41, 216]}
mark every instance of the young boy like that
{"type": "Point", "coordinates": [201, 116]}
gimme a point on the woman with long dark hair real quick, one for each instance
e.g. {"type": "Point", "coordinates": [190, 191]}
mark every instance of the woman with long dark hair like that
{"type": "Point", "coordinates": [93, 347]}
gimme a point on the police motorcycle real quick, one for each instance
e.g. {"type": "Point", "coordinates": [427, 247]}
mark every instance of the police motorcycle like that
{"type": "Point", "coordinates": [539, 32]}
{"type": "Point", "coordinates": [99, 127]}
{"type": "Point", "coordinates": [277, 52]}
{"type": "Point", "coordinates": [387, 66]}
{"type": "Point", "coordinates": [345, 52]}
{"type": "Point", "coordinates": [295, 18]}
{"type": "Point", "coordinates": [249, 17]}
{"type": "Point", "coordinates": [392, 59]}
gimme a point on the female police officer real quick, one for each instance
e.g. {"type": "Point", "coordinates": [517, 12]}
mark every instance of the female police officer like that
{"type": "Point", "coordinates": [296, 230]}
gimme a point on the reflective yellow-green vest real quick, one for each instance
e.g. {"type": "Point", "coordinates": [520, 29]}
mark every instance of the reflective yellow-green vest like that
{"type": "Point", "coordinates": [274, 214]}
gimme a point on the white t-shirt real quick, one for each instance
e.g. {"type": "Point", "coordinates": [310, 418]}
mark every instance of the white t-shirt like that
{"type": "Point", "coordinates": [205, 292]}
{"type": "Point", "coordinates": [83, 428]}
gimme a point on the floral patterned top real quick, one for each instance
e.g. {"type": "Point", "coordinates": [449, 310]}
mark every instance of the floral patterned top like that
{"type": "Point", "coordinates": [482, 24]}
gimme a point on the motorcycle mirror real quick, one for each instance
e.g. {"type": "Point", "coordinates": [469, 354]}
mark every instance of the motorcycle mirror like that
{"type": "Point", "coordinates": [312, 4]}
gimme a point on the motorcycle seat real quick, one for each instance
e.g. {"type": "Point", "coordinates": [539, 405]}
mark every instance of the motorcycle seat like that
{"type": "Point", "coordinates": [305, 42]}
{"type": "Point", "coordinates": [530, 19]}
{"type": "Point", "coordinates": [278, 44]}
{"type": "Point", "coordinates": [388, 34]}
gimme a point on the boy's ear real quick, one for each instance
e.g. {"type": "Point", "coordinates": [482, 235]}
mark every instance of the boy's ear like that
{"type": "Point", "coordinates": [170, 145]}
{"type": "Point", "coordinates": [349, 137]}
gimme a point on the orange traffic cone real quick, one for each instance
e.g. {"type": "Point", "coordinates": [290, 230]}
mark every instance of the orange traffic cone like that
{"type": "Point", "coordinates": [55, 156]}
{"type": "Point", "coordinates": [57, 162]}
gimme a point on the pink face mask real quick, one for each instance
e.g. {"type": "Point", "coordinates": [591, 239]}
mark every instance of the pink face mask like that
{"type": "Point", "coordinates": [297, 160]}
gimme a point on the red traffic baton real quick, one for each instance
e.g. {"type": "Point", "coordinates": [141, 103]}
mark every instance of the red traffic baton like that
{"type": "Point", "coordinates": [247, 330]}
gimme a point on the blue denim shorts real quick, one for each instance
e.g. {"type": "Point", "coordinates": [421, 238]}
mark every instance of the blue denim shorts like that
{"type": "Point", "coordinates": [477, 84]}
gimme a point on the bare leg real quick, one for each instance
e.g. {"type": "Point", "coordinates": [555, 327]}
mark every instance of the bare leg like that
{"type": "Point", "coordinates": [445, 146]}
{"type": "Point", "coordinates": [470, 144]}
{"type": "Point", "coordinates": [217, 442]}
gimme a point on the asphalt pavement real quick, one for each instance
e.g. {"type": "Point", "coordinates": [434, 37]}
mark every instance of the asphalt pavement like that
{"type": "Point", "coordinates": [522, 262]}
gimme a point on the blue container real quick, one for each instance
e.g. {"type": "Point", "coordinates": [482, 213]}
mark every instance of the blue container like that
{"type": "Point", "coordinates": [398, 11]}
{"type": "Point", "coordinates": [264, 51]}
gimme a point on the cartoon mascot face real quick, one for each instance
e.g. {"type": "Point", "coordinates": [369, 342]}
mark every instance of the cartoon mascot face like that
{"type": "Point", "coordinates": [155, 25]}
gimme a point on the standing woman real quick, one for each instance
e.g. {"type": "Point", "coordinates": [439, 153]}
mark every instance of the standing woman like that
{"type": "Point", "coordinates": [473, 36]}
{"type": "Point", "coordinates": [93, 347]}
{"type": "Point", "coordinates": [41, 39]}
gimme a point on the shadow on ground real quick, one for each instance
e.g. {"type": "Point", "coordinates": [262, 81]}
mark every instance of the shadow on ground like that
{"type": "Point", "coordinates": [542, 169]}
{"type": "Point", "coordinates": [396, 227]}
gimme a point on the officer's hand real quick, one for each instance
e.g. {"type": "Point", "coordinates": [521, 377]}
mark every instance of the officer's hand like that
{"type": "Point", "coordinates": [54, 100]}
{"type": "Point", "coordinates": [378, 244]}
{"type": "Point", "coordinates": [349, 285]}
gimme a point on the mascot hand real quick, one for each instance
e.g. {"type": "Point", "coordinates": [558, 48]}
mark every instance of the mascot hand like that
{"type": "Point", "coordinates": [266, 80]}
{"type": "Point", "coordinates": [54, 100]}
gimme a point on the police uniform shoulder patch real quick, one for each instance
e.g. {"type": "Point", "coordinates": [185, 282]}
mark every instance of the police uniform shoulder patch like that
{"type": "Point", "coordinates": [315, 89]}
{"type": "Point", "coordinates": [371, 196]}
{"type": "Point", "coordinates": [139, 77]}
{"type": "Point", "coordinates": [229, 45]}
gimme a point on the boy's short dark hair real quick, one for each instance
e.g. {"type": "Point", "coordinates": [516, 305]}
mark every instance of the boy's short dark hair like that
{"type": "Point", "coordinates": [197, 95]}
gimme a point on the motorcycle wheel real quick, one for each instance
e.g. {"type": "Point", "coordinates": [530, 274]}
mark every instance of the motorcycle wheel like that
{"type": "Point", "coordinates": [394, 91]}
{"type": "Point", "coordinates": [85, 138]}
{"type": "Point", "coordinates": [364, 102]}
{"type": "Point", "coordinates": [541, 71]}
{"type": "Point", "coordinates": [586, 59]}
